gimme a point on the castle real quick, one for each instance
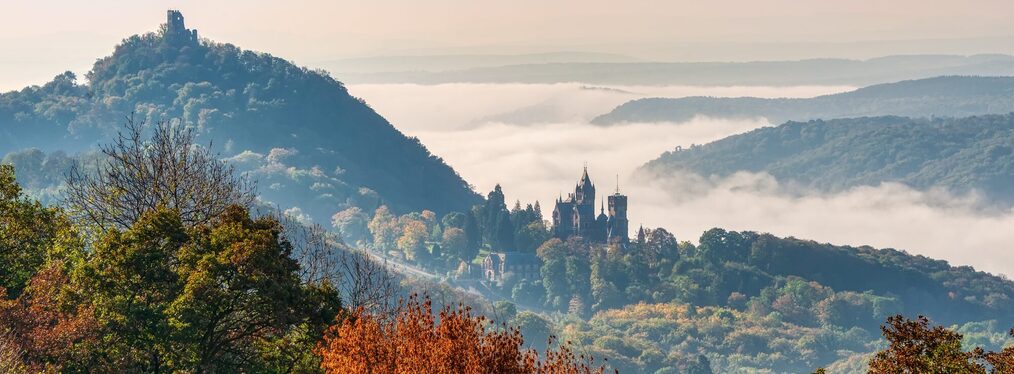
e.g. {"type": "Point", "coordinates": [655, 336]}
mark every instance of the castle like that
{"type": "Point", "coordinates": [176, 31]}
{"type": "Point", "coordinates": [575, 216]}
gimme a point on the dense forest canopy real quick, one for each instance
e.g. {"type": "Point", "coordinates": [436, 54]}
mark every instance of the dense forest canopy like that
{"type": "Point", "coordinates": [953, 96]}
{"type": "Point", "coordinates": [961, 154]}
{"type": "Point", "coordinates": [310, 143]}
{"type": "Point", "coordinates": [739, 300]}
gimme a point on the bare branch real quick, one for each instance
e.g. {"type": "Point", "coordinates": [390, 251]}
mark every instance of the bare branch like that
{"type": "Point", "coordinates": [168, 169]}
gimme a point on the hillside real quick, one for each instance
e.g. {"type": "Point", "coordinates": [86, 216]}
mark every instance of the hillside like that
{"type": "Point", "coordinates": [963, 154]}
{"type": "Point", "coordinates": [755, 302]}
{"type": "Point", "coordinates": [298, 132]}
{"type": "Point", "coordinates": [746, 301]}
{"type": "Point", "coordinates": [954, 96]}
{"type": "Point", "coordinates": [826, 71]}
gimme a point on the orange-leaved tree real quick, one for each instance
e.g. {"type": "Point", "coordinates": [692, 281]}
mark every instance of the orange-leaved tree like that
{"type": "Point", "coordinates": [414, 340]}
{"type": "Point", "coordinates": [917, 347]}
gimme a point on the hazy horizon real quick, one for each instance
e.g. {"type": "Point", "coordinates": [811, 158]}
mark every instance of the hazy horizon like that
{"type": "Point", "coordinates": [318, 32]}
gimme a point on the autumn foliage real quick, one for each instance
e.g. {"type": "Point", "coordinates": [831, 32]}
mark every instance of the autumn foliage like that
{"type": "Point", "coordinates": [42, 327]}
{"type": "Point", "coordinates": [917, 347]}
{"type": "Point", "coordinates": [414, 340]}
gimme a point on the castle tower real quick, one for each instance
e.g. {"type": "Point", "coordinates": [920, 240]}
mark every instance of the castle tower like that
{"type": "Point", "coordinates": [584, 207]}
{"type": "Point", "coordinates": [575, 215]}
{"type": "Point", "coordinates": [563, 218]}
{"type": "Point", "coordinates": [618, 216]}
{"type": "Point", "coordinates": [174, 21]}
{"type": "Point", "coordinates": [584, 192]}
{"type": "Point", "coordinates": [176, 29]}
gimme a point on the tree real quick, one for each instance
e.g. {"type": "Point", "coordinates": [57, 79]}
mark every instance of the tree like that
{"type": "Point", "coordinates": [453, 219]}
{"type": "Point", "coordinates": [416, 341]}
{"type": "Point", "coordinates": [699, 366]}
{"type": "Point", "coordinates": [455, 243]}
{"type": "Point", "coordinates": [48, 326]}
{"type": "Point", "coordinates": [474, 235]}
{"type": "Point", "coordinates": [529, 292]}
{"type": "Point", "coordinates": [384, 227]}
{"type": "Point", "coordinates": [413, 241]}
{"type": "Point", "coordinates": [503, 235]}
{"type": "Point", "coordinates": [536, 330]}
{"type": "Point", "coordinates": [30, 235]}
{"type": "Point", "coordinates": [490, 215]}
{"type": "Point", "coordinates": [529, 237]}
{"type": "Point", "coordinates": [352, 223]}
{"type": "Point", "coordinates": [915, 347]}
{"type": "Point", "coordinates": [505, 310]}
{"type": "Point", "coordinates": [209, 298]}
{"type": "Point", "coordinates": [167, 170]}
{"type": "Point", "coordinates": [662, 245]}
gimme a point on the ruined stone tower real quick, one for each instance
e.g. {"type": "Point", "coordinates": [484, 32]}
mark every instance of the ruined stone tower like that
{"type": "Point", "coordinates": [176, 30]}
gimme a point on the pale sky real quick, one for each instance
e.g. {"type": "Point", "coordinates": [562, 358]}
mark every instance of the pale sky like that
{"type": "Point", "coordinates": [39, 39]}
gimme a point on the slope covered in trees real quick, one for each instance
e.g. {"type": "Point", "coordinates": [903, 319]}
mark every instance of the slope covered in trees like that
{"type": "Point", "coordinates": [953, 96]}
{"type": "Point", "coordinates": [737, 301]}
{"type": "Point", "coordinates": [308, 142]}
{"type": "Point", "coordinates": [958, 153]}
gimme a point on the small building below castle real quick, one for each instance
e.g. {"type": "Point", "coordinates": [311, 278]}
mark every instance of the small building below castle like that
{"type": "Point", "coordinates": [575, 215]}
{"type": "Point", "coordinates": [524, 265]}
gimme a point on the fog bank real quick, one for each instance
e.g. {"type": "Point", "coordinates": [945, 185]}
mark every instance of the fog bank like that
{"type": "Point", "coordinates": [534, 139]}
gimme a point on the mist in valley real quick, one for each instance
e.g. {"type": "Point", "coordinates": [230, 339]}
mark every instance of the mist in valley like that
{"type": "Point", "coordinates": [534, 139]}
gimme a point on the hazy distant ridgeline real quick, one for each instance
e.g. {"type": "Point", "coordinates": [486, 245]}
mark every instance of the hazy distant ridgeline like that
{"type": "Point", "coordinates": [594, 70]}
{"type": "Point", "coordinates": [953, 96]}
{"type": "Point", "coordinates": [386, 64]}
{"type": "Point", "coordinates": [299, 132]}
{"type": "Point", "coordinates": [962, 154]}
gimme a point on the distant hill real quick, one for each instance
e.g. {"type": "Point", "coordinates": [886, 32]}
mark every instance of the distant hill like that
{"type": "Point", "coordinates": [299, 132]}
{"type": "Point", "coordinates": [958, 153]}
{"type": "Point", "coordinates": [953, 96]}
{"type": "Point", "coordinates": [431, 63]}
{"type": "Point", "coordinates": [771, 73]}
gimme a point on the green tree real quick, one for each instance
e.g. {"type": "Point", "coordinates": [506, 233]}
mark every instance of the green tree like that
{"type": "Point", "coordinates": [30, 235]}
{"type": "Point", "coordinates": [534, 328]}
{"type": "Point", "coordinates": [506, 310]}
{"type": "Point", "coordinates": [503, 239]}
{"type": "Point", "coordinates": [699, 366]}
{"type": "Point", "coordinates": [529, 237]}
{"type": "Point", "coordinates": [474, 235]}
{"type": "Point", "coordinates": [218, 297]}
{"type": "Point", "coordinates": [455, 243]}
{"type": "Point", "coordinates": [554, 279]}
{"type": "Point", "coordinates": [453, 219]}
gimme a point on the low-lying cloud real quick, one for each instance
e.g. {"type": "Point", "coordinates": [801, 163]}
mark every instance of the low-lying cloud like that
{"type": "Point", "coordinates": [540, 158]}
{"type": "Point", "coordinates": [933, 223]}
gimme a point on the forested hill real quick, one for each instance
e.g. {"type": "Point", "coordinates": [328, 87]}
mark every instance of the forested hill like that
{"type": "Point", "coordinates": [953, 96]}
{"type": "Point", "coordinates": [754, 302]}
{"type": "Point", "coordinates": [308, 142]}
{"type": "Point", "coordinates": [958, 153]}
